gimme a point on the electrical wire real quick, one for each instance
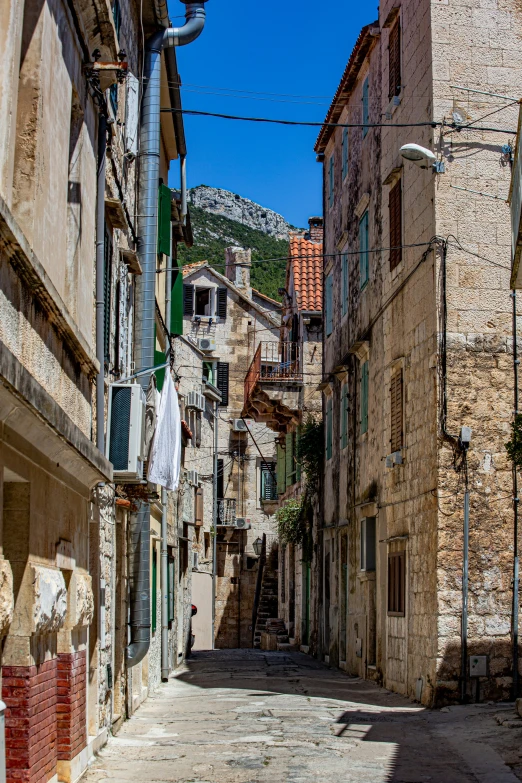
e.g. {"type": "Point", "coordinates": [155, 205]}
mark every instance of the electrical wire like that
{"type": "Point", "coordinates": [300, 123]}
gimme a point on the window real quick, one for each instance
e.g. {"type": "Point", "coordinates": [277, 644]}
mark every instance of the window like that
{"type": "Point", "coordinates": [364, 256]}
{"type": "Point", "coordinates": [222, 382]}
{"type": "Point", "coordinates": [364, 398]}
{"type": "Point", "coordinates": [394, 61]}
{"type": "Point", "coordinates": [368, 544]}
{"type": "Point", "coordinates": [329, 428]}
{"type": "Point", "coordinates": [344, 295]}
{"type": "Point", "coordinates": [198, 506]}
{"type": "Point", "coordinates": [365, 106]}
{"type": "Point", "coordinates": [329, 305]}
{"type": "Point", "coordinates": [344, 415]}
{"type": "Point", "coordinates": [220, 479]}
{"type": "Point", "coordinates": [107, 295]}
{"type": "Point", "coordinates": [208, 372]}
{"type": "Point", "coordinates": [345, 152]}
{"type": "Point", "coordinates": [397, 584]}
{"type": "Point", "coordinates": [396, 411]}
{"type": "Point", "coordinates": [268, 481]}
{"type": "Point", "coordinates": [331, 179]}
{"type": "Point", "coordinates": [395, 209]}
{"type": "Point", "coordinates": [204, 301]}
{"type": "Point", "coordinates": [116, 15]}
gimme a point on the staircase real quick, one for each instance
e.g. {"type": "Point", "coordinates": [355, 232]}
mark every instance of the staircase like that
{"type": "Point", "coordinates": [267, 602]}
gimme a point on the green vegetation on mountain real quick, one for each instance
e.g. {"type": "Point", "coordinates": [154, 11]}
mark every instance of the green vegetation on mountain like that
{"type": "Point", "coordinates": [213, 233]}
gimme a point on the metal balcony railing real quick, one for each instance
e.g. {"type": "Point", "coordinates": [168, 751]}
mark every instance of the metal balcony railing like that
{"type": "Point", "coordinates": [274, 362]}
{"type": "Point", "coordinates": [226, 512]}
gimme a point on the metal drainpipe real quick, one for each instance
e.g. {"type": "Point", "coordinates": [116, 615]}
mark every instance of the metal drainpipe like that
{"type": "Point", "coordinates": [214, 519]}
{"type": "Point", "coordinates": [183, 180]}
{"type": "Point", "coordinates": [145, 297]}
{"type": "Point", "coordinates": [100, 299]}
{"type": "Point", "coordinates": [164, 575]}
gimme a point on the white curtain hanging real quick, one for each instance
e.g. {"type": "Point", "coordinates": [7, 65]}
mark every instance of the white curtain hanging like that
{"type": "Point", "coordinates": [165, 458]}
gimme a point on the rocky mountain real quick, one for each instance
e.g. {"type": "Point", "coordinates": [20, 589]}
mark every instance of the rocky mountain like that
{"type": "Point", "coordinates": [242, 210]}
{"type": "Point", "coordinates": [213, 233]}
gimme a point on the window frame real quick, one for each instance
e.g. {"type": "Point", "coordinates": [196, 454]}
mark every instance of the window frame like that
{"type": "Point", "coordinates": [267, 472]}
{"type": "Point", "coordinates": [368, 554]}
{"type": "Point", "coordinates": [329, 428]}
{"type": "Point", "coordinates": [396, 584]}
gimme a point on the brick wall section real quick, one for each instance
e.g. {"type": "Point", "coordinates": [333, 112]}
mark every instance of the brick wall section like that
{"type": "Point", "coordinates": [71, 704]}
{"type": "Point", "coordinates": [29, 693]}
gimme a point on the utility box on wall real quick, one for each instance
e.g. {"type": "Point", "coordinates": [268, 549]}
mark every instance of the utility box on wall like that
{"type": "Point", "coordinates": [478, 665]}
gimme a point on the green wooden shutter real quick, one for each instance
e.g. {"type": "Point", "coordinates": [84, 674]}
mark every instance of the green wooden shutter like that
{"type": "Point", "coordinates": [176, 308]}
{"type": "Point", "coordinates": [281, 470]}
{"type": "Point", "coordinates": [364, 260]}
{"type": "Point", "coordinates": [154, 597]}
{"type": "Point", "coordinates": [289, 454]}
{"type": "Point", "coordinates": [296, 453]}
{"type": "Point", "coordinates": [164, 225]}
{"type": "Point", "coordinates": [345, 152]}
{"type": "Point", "coordinates": [364, 398]}
{"type": "Point", "coordinates": [159, 358]}
{"type": "Point", "coordinates": [329, 428]}
{"type": "Point", "coordinates": [344, 416]}
{"type": "Point", "coordinates": [329, 305]}
{"type": "Point", "coordinates": [344, 297]}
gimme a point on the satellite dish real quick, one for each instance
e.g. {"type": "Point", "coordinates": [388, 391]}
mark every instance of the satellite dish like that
{"type": "Point", "coordinates": [419, 155]}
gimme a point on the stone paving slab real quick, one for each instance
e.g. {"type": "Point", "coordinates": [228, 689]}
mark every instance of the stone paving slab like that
{"type": "Point", "coordinates": [244, 716]}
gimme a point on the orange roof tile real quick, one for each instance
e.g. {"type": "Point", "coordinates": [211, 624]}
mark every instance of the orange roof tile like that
{"type": "Point", "coordinates": [306, 264]}
{"type": "Point", "coordinates": [188, 268]}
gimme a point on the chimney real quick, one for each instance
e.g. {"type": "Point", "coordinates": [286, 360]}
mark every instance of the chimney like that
{"type": "Point", "coordinates": [237, 268]}
{"type": "Point", "coordinates": [315, 232]}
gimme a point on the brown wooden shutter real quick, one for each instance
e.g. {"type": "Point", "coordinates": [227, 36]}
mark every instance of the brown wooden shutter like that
{"type": "Point", "coordinates": [394, 61]}
{"type": "Point", "coordinates": [396, 412]}
{"type": "Point", "coordinates": [395, 205]}
{"type": "Point", "coordinates": [397, 583]}
{"type": "Point", "coordinates": [198, 517]}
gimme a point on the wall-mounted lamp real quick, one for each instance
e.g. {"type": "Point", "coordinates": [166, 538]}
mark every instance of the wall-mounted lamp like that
{"type": "Point", "coordinates": [258, 546]}
{"type": "Point", "coordinates": [422, 157]}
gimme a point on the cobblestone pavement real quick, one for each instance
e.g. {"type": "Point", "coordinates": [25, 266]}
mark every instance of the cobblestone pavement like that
{"type": "Point", "coordinates": [247, 716]}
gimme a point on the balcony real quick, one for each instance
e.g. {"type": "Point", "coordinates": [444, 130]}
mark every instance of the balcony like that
{"type": "Point", "coordinates": [273, 384]}
{"type": "Point", "coordinates": [226, 512]}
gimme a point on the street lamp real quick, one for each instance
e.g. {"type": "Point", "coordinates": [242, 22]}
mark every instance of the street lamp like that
{"type": "Point", "coordinates": [258, 546]}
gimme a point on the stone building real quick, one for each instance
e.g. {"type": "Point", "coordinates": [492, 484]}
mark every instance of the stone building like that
{"type": "Point", "coordinates": [417, 345]}
{"type": "Point", "coordinates": [69, 98]}
{"type": "Point", "coordinates": [284, 393]}
{"type": "Point", "coordinates": [224, 318]}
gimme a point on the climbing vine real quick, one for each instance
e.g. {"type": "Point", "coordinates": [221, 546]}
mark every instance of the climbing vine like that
{"type": "Point", "coordinates": [291, 524]}
{"type": "Point", "coordinates": [514, 444]}
{"type": "Point", "coordinates": [310, 453]}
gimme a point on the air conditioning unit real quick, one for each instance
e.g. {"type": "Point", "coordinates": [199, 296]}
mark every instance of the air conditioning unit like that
{"type": "Point", "coordinates": [241, 425]}
{"type": "Point", "coordinates": [207, 344]}
{"type": "Point", "coordinates": [195, 560]}
{"type": "Point", "coordinates": [195, 400]}
{"type": "Point", "coordinates": [125, 445]}
{"type": "Point", "coordinates": [242, 523]}
{"type": "Point", "coordinates": [193, 477]}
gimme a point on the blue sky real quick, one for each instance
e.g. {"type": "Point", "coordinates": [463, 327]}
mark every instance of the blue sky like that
{"type": "Point", "coordinates": [264, 46]}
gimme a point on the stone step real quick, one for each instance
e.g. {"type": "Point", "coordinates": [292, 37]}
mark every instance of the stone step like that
{"type": "Point", "coordinates": [287, 647]}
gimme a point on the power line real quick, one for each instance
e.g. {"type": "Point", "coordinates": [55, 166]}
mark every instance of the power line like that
{"type": "Point", "coordinates": [299, 123]}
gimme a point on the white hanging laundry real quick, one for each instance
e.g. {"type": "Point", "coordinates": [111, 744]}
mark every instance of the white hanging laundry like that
{"type": "Point", "coordinates": [165, 457]}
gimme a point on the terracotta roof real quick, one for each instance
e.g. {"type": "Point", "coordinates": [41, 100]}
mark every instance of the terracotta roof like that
{"type": "Point", "coordinates": [349, 78]}
{"type": "Point", "coordinates": [188, 268]}
{"type": "Point", "coordinates": [306, 265]}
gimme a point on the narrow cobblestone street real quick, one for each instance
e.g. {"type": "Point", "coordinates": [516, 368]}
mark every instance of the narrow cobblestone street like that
{"type": "Point", "coordinates": [239, 716]}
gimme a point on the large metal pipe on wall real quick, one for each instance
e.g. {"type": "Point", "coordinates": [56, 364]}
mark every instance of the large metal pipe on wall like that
{"type": "Point", "coordinates": [149, 160]}
{"type": "Point", "coordinates": [139, 585]}
{"type": "Point", "coordinates": [145, 298]}
{"type": "Point", "coordinates": [100, 299]}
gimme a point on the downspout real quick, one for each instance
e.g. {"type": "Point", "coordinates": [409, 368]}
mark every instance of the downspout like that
{"type": "Point", "coordinates": [164, 573]}
{"type": "Point", "coordinates": [183, 179]}
{"type": "Point", "coordinates": [145, 298]}
{"type": "Point", "coordinates": [100, 263]}
{"type": "Point", "coordinates": [139, 585]}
